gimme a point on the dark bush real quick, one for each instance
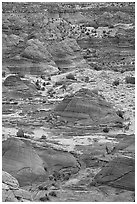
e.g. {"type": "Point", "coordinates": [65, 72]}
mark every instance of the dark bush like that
{"type": "Point", "coordinates": [45, 198]}
{"type": "Point", "coordinates": [42, 77]}
{"type": "Point", "coordinates": [42, 89]}
{"type": "Point", "coordinates": [3, 74]}
{"type": "Point", "coordinates": [115, 83]}
{"type": "Point", "coordinates": [120, 113]}
{"type": "Point", "coordinates": [53, 193]}
{"type": "Point", "coordinates": [97, 68]}
{"type": "Point", "coordinates": [38, 87]}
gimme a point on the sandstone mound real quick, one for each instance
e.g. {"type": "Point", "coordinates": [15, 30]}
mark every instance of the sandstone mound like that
{"type": "Point", "coordinates": [119, 172]}
{"type": "Point", "coordinates": [66, 54]}
{"type": "Point", "coordinates": [27, 56]}
{"type": "Point", "coordinates": [16, 87]}
{"type": "Point", "coordinates": [36, 50]}
{"type": "Point", "coordinates": [20, 160]}
{"type": "Point", "coordinates": [87, 104]}
{"type": "Point", "coordinates": [12, 80]}
{"type": "Point", "coordinates": [29, 165]}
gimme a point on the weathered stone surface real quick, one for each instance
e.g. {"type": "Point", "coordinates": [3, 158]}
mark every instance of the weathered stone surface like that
{"type": "Point", "coordinates": [36, 50]}
{"type": "Point", "coordinates": [9, 180]}
{"type": "Point", "coordinates": [20, 160]}
{"type": "Point", "coordinates": [57, 160]}
{"type": "Point", "coordinates": [119, 173]}
{"type": "Point", "coordinates": [31, 165]}
{"type": "Point", "coordinates": [11, 192]}
{"type": "Point", "coordinates": [8, 195]}
{"type": "Point", "coordinates": [87, 104]}
{"type": "Point", "coordinates": [13, 80]}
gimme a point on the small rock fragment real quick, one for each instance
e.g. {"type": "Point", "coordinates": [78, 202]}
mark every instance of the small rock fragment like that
{"type": "Point", "coordinates": [106, 129]}
{"type": "Point", "coordinates": [20, 133]}
{"type": "Point", "coordinates": [70, 76]}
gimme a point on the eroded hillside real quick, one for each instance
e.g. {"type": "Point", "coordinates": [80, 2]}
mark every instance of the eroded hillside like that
{"type": "Point", "coordinates": [68, 101]}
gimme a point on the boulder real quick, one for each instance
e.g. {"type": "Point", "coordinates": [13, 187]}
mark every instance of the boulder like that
{"type": "Point", "coordinates": [70, 76]}
{"type": "Point", "coordinates": [119, 173]}
{"type": "Point", "coordinates": [20, 133]}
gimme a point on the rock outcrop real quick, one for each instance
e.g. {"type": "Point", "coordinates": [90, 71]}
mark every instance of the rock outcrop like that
{"type": "Point", "coordinates": [87, 105]}
{"type": "Point", "coordinates": [30, 164]}
{"type": "Point", "coordinates": [119, 173]}
{"type": "Point", "coordinates": [11, 192]}
{"type": "Point", "coordinates": [18, 87]}
{"type": "Point", "coordinates": [21, 160]}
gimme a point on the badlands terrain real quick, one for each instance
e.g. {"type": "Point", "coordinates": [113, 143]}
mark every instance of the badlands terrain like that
{"type": "Point", "coordinates": [68, 102]}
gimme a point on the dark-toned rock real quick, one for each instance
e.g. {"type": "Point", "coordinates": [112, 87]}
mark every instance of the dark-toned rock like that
{"type": "Point", "coordinates": [130, 80]}
{"type": "Point", "coordinates": [21, 161]}
{"type": "Point", "coordinates": [70, 76]}
{"type": "Point", "coordinates": [20, 133]}
{"type": "Point", "coordinates": [89, 105]}
{"type": "Point", "coordinates": [119, 173]}
{"type": "Point", "coordinates": [106, 130]}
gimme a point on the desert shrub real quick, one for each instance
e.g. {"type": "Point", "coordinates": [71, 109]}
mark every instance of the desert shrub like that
{"type": "Point", "coordinates": [116, 82]}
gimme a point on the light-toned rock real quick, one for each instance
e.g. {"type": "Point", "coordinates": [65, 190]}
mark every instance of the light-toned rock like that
{"type": "Point", "coordinates": [9, 180]}
{"type": "Point", "coordinates": [11, 192]}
